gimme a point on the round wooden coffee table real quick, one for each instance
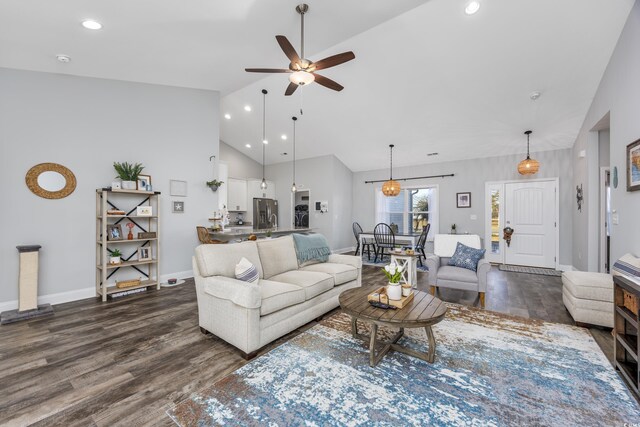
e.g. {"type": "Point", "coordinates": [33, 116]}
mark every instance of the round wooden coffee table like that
{"type": "Point", "coordinates": [423, 311]}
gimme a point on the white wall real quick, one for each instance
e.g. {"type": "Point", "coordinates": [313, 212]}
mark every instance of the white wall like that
{"type": "Point", "coordinates": [619, 95]}
{"type": "Point", "coordinates": [326, 178]}
{"type": "Point", "coordinates": [471, 175]}
{"type": "Point", "coordinates": [86, 124]}
{"type": "Point", "coordinates": [240, 165]}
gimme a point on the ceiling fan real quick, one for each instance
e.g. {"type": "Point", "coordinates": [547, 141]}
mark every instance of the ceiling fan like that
{"type": "Point", "coordinates": [303, 71]}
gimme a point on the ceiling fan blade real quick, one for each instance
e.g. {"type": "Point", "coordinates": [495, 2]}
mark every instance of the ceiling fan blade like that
{"type": "Point", "coordinates": [267, 70]}
{"type": "Point", "coordinates": [288, 49]}
{"type": "Point", "coordinates": [290, 89]}
{"type": "Point", "coordinates": [334, 60]}
{"type": "Point", "coordinates": [326, 82]}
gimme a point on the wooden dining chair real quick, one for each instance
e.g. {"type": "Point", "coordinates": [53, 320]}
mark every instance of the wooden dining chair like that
{"type": "Point", "coordinates": [366, 243]}
{"type": "Point", "coordinates": [422, 241]}
{"type": "Point", "coordinates": [384, 238]}
{"type": "Point", "coordinates": [203, 236]}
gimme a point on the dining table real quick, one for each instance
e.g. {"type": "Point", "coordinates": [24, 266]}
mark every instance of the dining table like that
{"type": "Point", "coordinates": [406, 239]}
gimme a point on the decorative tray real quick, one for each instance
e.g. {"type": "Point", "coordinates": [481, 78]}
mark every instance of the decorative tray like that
{"type": "Point", "coordinates": [380, 295]}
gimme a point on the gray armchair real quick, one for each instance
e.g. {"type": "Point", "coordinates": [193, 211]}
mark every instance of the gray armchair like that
{"type": "Point", "coordinates": [446, 276]}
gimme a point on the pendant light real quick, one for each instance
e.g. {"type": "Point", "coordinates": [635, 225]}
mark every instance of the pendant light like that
{"type": "Point", "coordinates": [263, 184]}
{"type": "Point", "coordinates": [293, 187]}
{"type": "Point", "coordinates": [528, 166]}
{"type": "Point", "coordinates": [391, 188]}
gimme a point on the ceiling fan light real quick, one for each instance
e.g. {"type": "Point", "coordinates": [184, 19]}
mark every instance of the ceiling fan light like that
{"type": "Point", "coordinates": [301, 78]}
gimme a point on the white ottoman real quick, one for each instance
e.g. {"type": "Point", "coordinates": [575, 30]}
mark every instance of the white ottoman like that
{"type": "Point", "coordinates": [588, 297]}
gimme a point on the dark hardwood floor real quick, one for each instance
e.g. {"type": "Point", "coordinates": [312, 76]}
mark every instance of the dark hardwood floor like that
{"type": "Point", "coordinates": [126, 361]}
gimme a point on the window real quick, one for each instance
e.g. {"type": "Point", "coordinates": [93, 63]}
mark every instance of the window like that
{"type": "Point", "coordinates": [411, 210]}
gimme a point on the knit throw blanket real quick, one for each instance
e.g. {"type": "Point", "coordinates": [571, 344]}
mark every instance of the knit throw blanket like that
{"type": "Point", "coordinates": [311, 247]}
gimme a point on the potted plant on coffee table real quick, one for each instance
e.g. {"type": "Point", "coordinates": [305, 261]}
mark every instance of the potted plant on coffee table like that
{"type": "Point", "coordinates": [128, 173]}
{"type": "Point", "coordinates": [394, 274]}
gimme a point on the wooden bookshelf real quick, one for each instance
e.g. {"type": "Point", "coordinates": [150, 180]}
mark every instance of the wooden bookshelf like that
{"type": "Point", "coordinates": [147, 270]}
{"type": "Point", "coordinates": [626, 347]}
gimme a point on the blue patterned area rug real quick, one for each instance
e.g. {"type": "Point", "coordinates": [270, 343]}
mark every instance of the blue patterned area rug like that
{"type": "Point", "coordinates": [490, 370]}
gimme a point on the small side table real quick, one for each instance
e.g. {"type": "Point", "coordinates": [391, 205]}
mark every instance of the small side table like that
{"type": "Point", "coordinates": [410, 264]}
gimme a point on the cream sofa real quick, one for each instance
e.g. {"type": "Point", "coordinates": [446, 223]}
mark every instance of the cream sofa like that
{"type": "Point", "coordinates": [251, 315]}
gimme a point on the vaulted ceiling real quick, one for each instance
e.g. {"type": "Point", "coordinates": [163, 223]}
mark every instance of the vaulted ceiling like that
{"type": "Point", "coordinates": [427, 77]}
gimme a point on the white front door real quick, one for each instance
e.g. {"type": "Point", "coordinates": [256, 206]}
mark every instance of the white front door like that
{"type": "Point", "coordinates": [530, 209]}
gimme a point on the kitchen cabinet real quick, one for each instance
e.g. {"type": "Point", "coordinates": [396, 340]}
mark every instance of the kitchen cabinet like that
{"type": "Point", "coordinates": [237, 195]}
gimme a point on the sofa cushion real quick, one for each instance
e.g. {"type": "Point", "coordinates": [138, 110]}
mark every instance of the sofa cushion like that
{"type": "Point", "coordinates": [342, 273]}
{"type": "Point", "coordinates": [279, 295]}
{"type": "Point", "coordinates": [588, 285]}
{"type": "Point", "coordinates": [221, 260]}
{"type": "Point", "coordinates": [457, 274]}
{"type": "Point", "coordinates": [313, 282]}
{"type": "Point", "coordinates": [277, 256]}
{"type": "Point", "coordinates": [246, 271]}
{"type": "Point", "coordinates": [466, 257]}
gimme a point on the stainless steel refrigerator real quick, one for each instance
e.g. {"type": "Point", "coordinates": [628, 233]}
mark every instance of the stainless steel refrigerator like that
{"type": "Point", "coordinates": [265, 213]}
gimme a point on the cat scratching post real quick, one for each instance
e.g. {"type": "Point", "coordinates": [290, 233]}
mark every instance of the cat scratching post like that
{"type": "Point", "coordinates": [28, 307]}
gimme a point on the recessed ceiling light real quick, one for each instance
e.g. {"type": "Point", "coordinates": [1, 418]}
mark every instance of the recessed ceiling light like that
{"type": "Point", "coordinates": [472, 7]}
{"type": "Point", "coordinates": [265, 141]}
{"type": "Point", "coordinates": [247, 108]}
{"type": "Point", "coordinates": [284, 154]}
{"type": "Point", "coordinates": [247, 145]}
{"type": "Point", "coordinates": [63, 58]}
{"type": "Point", "coordinates": [227, 116]}
{"type": "Point", "coordinates": [534, 95]}
{"type": "Point", "coordinates": [90, 24]}
{"type": "Point", "coordinates": [432, 154]}
{"type": "Point", "coordinates": [284, 137]}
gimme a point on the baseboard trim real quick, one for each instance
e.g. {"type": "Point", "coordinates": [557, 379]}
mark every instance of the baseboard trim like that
{"type": "Point", "coordinates": [84, 293]}
{"type": "Point", "coordinates": [563, 267]}
{"type": "Point", "coordinates": [344, 250]}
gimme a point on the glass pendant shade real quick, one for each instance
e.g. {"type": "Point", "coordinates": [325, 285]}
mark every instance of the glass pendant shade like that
{"type": "Point", "coordinates": [263, 184]}
{"type": "Point", "coordinates": [293, 188]}
{"type": "Point", "coordinates": [528, 166]}
{"type": "Point", "coordinates": [391, 188]}
{"type": "Point", "coordinates": [301, 78]}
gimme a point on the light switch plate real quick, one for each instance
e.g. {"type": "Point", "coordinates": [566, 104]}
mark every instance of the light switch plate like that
{"type": "Point", "coordinates": [474, 217]}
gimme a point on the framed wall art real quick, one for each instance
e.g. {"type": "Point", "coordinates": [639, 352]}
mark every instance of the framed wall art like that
{"type": "Point", "coordinates": [633, 166]}
{"type": "Point", "coordinates": [463, 200]}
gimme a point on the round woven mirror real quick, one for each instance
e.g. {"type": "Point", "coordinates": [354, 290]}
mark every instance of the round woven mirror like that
{"type": "Point", "coordinates": [50, 181]}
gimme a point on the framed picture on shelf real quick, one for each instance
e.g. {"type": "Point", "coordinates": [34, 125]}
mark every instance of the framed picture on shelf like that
{"type": "Point", "coordinates": [178, 207]}
{"type": "Point", "coordinates": [144, 211]}
{"type": "Point", "coordinates": [633, 166]}
{"type": "Point", "coordinates": [144, 183]}
{"type": "Point", "coordinates": [114, 232]}
{"type": "Point", "coordinates": [463, 200]}
{"type": "Point", "coordinates": [144, 254]}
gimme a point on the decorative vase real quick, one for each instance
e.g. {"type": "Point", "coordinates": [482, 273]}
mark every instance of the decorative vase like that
{"type": "Point", "coordinates": [453, 231]}
{"type": "Point", "coordinates": [114, 260]}
{"type": "Point", "coordinates": [213, 188]}
{"type": "Point", "coordinates": [129, 185]}
{"type": "Point", "coordinates": [394, 291]}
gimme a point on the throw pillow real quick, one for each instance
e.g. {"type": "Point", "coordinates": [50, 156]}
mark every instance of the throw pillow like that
{"type": "Point", "coordinates": [627, 265]}
{"type": "Point", "coordinates": [246, 271]}
{"type": "Point", "coordinates": [466, 257]}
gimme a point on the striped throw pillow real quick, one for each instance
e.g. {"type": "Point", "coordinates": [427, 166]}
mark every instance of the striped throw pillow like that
{"type": "Point", "coordinates": [627, 265]}
{"type": "Point", "coordinates": [246, 271]}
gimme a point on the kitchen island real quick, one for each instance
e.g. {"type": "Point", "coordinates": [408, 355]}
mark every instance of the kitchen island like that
{"type": "Point", "coordinates": [242, 233]}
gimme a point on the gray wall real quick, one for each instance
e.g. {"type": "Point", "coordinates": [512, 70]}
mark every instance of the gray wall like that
{"type": "Point", "coordinates": [471, 175]}
{"type": "Point", "coordinates": [240, 165]}
{"type": "Point", "coordinates": [326, 178]}
{"type": "Point", "coordinates": [619, 95]}
{"type": "Point", "coordinates": [86, 124]}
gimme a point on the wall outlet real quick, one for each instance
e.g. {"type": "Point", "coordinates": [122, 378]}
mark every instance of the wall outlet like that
{"type": "Point", "coordinates": [615, 218]}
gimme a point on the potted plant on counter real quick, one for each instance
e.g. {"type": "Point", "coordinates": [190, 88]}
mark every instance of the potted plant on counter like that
{"type": "Point", "coordinates": [114, 257]}
{"type": "Point", "coordinates": [453, 229]}
{"type": "Point", "coordinates": [128, 173]}
{"type": "Point", "coordinates": [214, 185]}
{"type": "Point", "coordinates": [394, 274]}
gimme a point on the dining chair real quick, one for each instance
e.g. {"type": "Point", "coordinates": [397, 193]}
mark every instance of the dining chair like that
{"type": "Point", "coordinates": [203, 236]}
{"type": "Point", "coordinates": [422, 241]}
{"type": "Point", "coordinates": [366, 243]}
{"type": "Point", "coordinates": [384, 238]}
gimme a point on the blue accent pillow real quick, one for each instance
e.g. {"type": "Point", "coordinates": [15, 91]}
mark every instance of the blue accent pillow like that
{"type": "Point", "coordinates": [466, 257]}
